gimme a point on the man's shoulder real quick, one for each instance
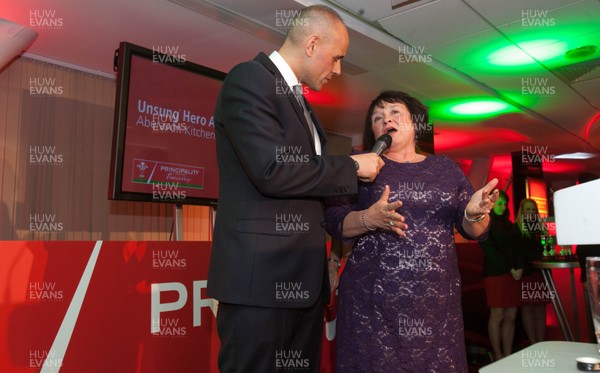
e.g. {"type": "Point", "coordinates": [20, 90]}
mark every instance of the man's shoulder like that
{"type": "Point", "coordinates": [260, 63]}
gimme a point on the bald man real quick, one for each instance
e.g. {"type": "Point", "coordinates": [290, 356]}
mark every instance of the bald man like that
{"type": "Point", "coordinates": [268, 263]}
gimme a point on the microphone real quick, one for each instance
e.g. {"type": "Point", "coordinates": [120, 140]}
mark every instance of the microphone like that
{"type": "Point", "coordinates": [382, 144]}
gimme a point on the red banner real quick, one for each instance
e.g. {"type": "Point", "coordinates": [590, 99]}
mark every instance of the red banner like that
{"type": "Point", "coordinates": [106, 307]}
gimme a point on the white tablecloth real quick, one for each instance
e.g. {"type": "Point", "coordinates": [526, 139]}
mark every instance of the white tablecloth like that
{"type": "Point", "coordinates": [548, 356]}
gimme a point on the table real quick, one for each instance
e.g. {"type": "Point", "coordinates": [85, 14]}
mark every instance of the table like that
{"type": "Point", "coordinates": [547, 268]}
{"type": "Point", "coordinates": [550, 356]}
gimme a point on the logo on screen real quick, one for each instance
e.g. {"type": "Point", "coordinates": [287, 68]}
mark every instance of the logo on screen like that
{"type": "Point", "coordinates": [142, 167]}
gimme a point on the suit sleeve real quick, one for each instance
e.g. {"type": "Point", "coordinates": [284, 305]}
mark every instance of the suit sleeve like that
{"type": "Point", "coordinates": [259, 121]}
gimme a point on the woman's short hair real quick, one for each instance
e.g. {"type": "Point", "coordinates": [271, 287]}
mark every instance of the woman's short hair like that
{"type": "Point", "coordinates": [418, 113]}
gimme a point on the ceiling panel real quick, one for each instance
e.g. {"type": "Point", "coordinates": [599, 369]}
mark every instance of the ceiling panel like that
{"type": "Point", "coordinates": [374, 10]}
{"type": "Point", "coordinates": [434, 23]}
{"type": "Point", "coordinates": [505, 11]}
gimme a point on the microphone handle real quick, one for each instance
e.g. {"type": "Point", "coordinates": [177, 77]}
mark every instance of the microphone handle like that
{"type": "Point", "coordinates": [379, 148]}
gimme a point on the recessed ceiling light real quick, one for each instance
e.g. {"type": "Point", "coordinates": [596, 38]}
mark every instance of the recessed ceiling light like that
{"type": "Point", "coordinates": [581, 52]}
{"type": "Point", "coordinates": [576, 155]}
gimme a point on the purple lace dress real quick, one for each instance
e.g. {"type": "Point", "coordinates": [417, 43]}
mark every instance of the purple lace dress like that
{"type": "Point", "coordinates": [399, 298]}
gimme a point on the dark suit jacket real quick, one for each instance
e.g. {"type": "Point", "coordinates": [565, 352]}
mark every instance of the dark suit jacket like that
{"type": "Point", "coordinates": [269, 237]}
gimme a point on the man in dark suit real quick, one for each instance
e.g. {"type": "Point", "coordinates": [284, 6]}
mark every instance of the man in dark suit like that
{"type": "Point", "coordinates": [268, 262]}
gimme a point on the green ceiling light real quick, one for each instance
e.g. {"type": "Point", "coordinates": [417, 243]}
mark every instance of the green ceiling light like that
{"type": "Point", "coordinates": [510, 56]}
{"type": "Point", "coordinates": [466, 110]}
{"type": "Point", "coordinates": [528, 52]}
{"type": "Point", "coordinates": [479, 107]}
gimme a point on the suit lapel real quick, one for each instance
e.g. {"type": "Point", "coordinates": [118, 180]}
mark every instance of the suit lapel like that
{"type": "Point", "coordinates": [269, 65]}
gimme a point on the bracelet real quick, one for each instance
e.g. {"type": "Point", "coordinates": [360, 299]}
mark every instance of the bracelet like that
{"type": "Point", "coordinates": [336, 261]}
{"type": "Point", "coordinates": [364, 223]}
{"type": "Point", "coordinates": [476, 220]}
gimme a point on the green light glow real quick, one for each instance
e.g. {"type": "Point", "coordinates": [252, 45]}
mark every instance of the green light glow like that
{"type": "Point", "coordinates": [528, 52]}
{"type": "Point", "coordinates": [478, 107]}
{"type": "Point", "coordinates": [472, 109]}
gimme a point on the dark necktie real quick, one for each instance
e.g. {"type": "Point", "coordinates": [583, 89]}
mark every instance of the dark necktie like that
{"type": "Point", "coordinates": [300, 98]}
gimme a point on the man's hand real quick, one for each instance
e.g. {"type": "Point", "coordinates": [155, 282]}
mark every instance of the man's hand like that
{"type": "Point", "coordinates": [369, 165]}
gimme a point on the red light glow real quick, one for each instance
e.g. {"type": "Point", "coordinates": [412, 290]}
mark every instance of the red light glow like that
{"type": "Point", "coordinates": [323, 98]}
{"type": "Point", "coordinates": [450, 140]}
{"type": "Point", "coordinates": [588, 126]}
{"type": "Point", "coordinates": [502, 164]}
{"type": "Point", "coordinates": [536, 190]}
{"type": "Point", "coordinates": [563, 168]}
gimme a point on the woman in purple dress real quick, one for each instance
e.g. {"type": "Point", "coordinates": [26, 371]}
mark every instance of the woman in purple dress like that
{"type": "Point", "coordinates": [399, 296]}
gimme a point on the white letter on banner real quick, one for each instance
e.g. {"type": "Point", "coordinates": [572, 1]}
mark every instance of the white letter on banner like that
{"type": "Point", "coordinates": [157, 308]}
{"type": "Point", "coordinates": [199, 302]}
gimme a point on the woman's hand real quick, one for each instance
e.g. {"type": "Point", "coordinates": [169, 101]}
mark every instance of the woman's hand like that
{"type": "Point", "coordinates": [482, 201]}
{"type": "Point", "coordinates": [382, 214]}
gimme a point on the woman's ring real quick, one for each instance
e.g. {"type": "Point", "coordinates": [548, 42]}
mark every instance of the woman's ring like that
{"type": "Point", "coordinates": [391, 223]}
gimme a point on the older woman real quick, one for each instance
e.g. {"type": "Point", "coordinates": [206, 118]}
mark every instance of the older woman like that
{"type": "Point", "coordinates": [399, 299]}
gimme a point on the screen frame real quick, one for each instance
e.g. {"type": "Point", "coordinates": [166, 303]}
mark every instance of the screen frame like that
{"type": "Point", "coordinates": [123, 58]}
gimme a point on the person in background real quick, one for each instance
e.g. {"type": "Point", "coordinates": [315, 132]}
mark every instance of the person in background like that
{"type": "Point", "coordinates": [535, 295]}
{"type": "Point", "coordinates": [268, 265]}
{"type": "Point", "coordinates": [502, 271]}
{"type": "Point", "coordinates": [399, 294]}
